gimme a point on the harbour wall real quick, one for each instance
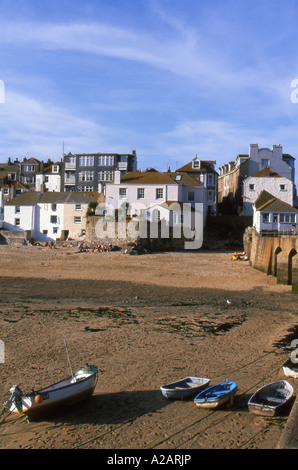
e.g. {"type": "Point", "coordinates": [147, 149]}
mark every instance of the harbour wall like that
{"type": "Point", "coordinates": [274, 254]}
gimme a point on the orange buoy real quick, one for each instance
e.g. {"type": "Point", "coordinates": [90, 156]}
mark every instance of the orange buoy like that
{"type": "Point", "coordinates": [38, 399]}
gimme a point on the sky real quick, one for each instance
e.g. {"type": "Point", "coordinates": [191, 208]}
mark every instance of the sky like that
{"type": "Point", "coordinates": [170, 79]}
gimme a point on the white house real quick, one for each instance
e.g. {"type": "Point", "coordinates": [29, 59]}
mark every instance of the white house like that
{"type": "Point", "coordinates": [270, 181]}
{"type": "Point", "coordinates": [49, 216]}
{"type": "Point", "coordinates": [49, 179]}
{"type": "Point", "coordinates": [204, 172]}
{"type": "Point", "coordinates": [150, 193]}
{"type": "Point", "coordinates": [272, 214]}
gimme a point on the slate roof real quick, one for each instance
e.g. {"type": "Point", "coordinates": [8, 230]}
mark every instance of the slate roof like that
{"type": "Point", "coordinates": [269, 202]}
{"type": "Point", "coordinates": [30, 198]}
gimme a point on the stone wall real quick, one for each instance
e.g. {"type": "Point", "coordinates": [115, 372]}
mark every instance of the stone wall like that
{"type": "Point", "coordinates": [17, 237]}
{"type": "Point", "coordinates": [141, 244]}
{"type": "Point", "coordinates": [275, 255]}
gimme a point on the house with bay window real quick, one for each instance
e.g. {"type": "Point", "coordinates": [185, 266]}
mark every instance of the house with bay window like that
{"type": "Point", "coordinates": [271, 214]}
{"type": "Point", "coordinates": [90, 172]}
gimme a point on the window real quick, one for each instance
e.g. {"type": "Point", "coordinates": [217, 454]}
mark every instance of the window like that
{"type": "Point", "coordinates": [283, 187]}
{"type": "Point", "coordinates": [45, 232]}
{"type": "Point", "coordinates": [210, 179]}
{"type": "Point", "coordinates": [159, 193]}
{"type": "Point", "coordinates": [85, 188]}
{"type": "Point", "coordinates": [265, 217]}
{"type": "Point", "coordinates": [29, 167]}
{"type": "Point", "coordinates": [105, 175]}
{"type": "Point", "coordinates": [106, 160]}
{"type": "Point", "coordinates": [156, 215]}
{"type": "Point", "coordinates": [54, 219]}
{"type": "Point", "coordinates": [287, 218]}
{"type": "Point", "coordinates": [46, 179]}
{"type": "Point", "coordinates": [18, 191]}
{"type": "Point", "coordinates": [210, 196]}
{"type": "Point", "coordinates": [78, 220]}
{"type": "Point", "coordinates": [17, 222]}
{"type": "Point", "coordinates": [55, 229]}
{"type": "Point", "coordinates": [265, 162]}
{"type": "Point", "coordinates": [178, 218]}
{"type": "Point", "coordinates": [78, 207]}
{"type": "Point", "coordinates": [71, 159]}
{"type": "Point", "coordinates": [190, 196]}
{"type": "Point", "coordinates": [251, 187]}
{"type": "Point", "coordinates": [86, 160]}
{"type": "Point", "coordinates": [55, 168]}
{"type": "Point", "coordinates": [5, 191]}
{"type": "Point", "coordinates": [86, 175]}
{"type": "Point", "coordinates": [122, 193]}
{"type": "Point", "coordinates": [18, 209]}
{"type": "Point", "coordinates": [141, 193]}
{"type": "Point", "coordinates": [54, 207]}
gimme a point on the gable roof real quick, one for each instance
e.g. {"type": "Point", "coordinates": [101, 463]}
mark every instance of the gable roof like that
{"type": "Point", "coordinates": [30, 198]}
{"type": "Point", "coordinates": [267, 173]}
{"type": "Point", "coordinates": [269, 202]}
{"type": "Point", "coordinates": [204, 167]}
{"type": "Point", "coordinates": [147, 177]}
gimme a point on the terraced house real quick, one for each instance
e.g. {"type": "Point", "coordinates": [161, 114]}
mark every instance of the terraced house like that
{"type": "Point", "coordinates": [49, 216]}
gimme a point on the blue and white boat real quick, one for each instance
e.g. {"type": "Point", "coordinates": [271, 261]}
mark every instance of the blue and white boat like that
{"type": "Point", "coordinates": [217, 395]}
{"type": "Point", "coordinates": [184, 388]}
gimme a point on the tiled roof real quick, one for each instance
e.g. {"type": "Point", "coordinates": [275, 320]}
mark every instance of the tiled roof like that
{"type": "Point", "coordinates": [267, 173]}
{"type": "Point", "coordinates": [271, 203]}
{"type": "Point", "coordinates": [147, 177]}
{"type": "Point", "coordinates": [204, 167]}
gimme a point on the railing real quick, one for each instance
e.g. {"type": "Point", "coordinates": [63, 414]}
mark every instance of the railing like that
{"type": "Point", "coordinates": [276, 233]}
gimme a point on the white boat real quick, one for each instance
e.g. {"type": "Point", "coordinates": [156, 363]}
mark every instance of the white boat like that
{"type": "Point", "coordinates": [184, 388]}
{"type": "Point", "coordinates": [269, 399]}
{"type": "Point", "coordinates": [71, 390]}
{"type": "Point", "coordinates": [290, 369]}
{"type": "Point", "coordinates": [217, 395]}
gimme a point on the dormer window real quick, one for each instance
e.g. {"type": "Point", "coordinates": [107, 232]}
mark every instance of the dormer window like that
{"type": "Point", "coordinates": [196, 163]}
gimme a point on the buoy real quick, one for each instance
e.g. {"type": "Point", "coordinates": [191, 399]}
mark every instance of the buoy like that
{"type": "Point", "coordinates": [38, 399]}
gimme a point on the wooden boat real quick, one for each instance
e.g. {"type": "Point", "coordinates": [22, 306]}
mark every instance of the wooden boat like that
{"type": "Point", "coordinates": [184, 388]}
{"type": "Point", "coordinates": [217, 395]}
{"type": "Point", "coordinates": [269, 399]}
{"type": "Point", "coordinates": [71, 390]}
{"type": "Point", "coordinates": [290, 369]}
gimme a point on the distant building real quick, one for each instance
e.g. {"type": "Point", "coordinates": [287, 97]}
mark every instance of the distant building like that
{"type": "Point", "coordinates": [90, 172]}
{"type": "Point", "coordinates": [204, 172]}
{"type": "Point", "coordinates": [232, 175]}
{"type": "Point", "coordinates": [50, 215]}
{"type": "Point", "coordinates": [152, 194]}
{"type": "Point", "coordinates": [49, 179]}
{"type": "Point", "coordinates": [29, 167]}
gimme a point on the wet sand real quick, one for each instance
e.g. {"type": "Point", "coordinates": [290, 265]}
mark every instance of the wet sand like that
{"type": "Point", "coordinates": [144, 321]}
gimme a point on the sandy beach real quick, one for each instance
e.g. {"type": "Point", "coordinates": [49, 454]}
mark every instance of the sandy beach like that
{"type": "Point", "coordinates": [143, 320]}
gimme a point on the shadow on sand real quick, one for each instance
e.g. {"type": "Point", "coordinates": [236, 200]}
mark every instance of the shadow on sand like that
{"type": "Point", "coordinates": [110, 408]}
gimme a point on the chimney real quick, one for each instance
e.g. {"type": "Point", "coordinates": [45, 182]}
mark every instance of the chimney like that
{"type": "Point", "coordinates": [267, 171]}
{"type": "Point", "coordinates": [117, 177]}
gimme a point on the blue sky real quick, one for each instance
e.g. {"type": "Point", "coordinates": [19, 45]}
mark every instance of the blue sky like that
{"type": "Point", "coordinates": [168, 78]}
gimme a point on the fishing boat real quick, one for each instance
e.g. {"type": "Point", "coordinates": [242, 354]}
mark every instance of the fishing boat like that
{"type": "Point", "coordinates": [184, 388]}
{"type": "Point", "coordinates": [73, 389]}
{"type": "Point", "coordinates": [217, 395]}
{"type": "Point", "coordinates": [290, 369]}
{"type": "Point", "coordinates": [269, 399]}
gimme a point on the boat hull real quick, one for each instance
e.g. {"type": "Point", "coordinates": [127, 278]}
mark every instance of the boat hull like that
{"type": "Point", "coordinates": [270, 399]}
{"type": "Point", "coordinates": [66, 392]}
{"type": "Point", "coordinates": [217, 395]}
{"type": "Point", "coordinates": [291, 369]}
{"type": "Point", "coordinates": [184, 388]}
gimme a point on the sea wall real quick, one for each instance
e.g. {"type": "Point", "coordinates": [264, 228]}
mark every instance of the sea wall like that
{"type": "Point", "coordinates": [274, 254]}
